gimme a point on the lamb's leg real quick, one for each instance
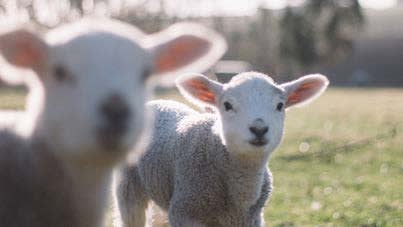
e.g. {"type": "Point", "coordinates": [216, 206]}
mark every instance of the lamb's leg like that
{"type": "Point", "coordinates": [130, 198]}
{"type": "Point", "coordinates": [156, 217]}
{"type": "Point", "coordinates": [257, 209]}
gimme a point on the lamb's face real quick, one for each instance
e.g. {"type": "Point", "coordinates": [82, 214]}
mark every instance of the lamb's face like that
{"type": "Point", "coordinates": [252, 109]}
{"type": "Point", "coordinates": [95, 92]}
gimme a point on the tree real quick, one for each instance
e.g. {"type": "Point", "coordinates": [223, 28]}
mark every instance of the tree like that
{"type": "Point", "coordinates": [320, 32]}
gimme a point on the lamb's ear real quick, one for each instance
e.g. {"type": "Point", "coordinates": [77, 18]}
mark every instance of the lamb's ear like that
{"type": "Point", "coordinates": [304, 89]}
{"type": "Point", "coordinates": [184, 47]}
{"type": "Point", "coordinates": [24, 49]}
{"type": "Point", "coordinates": [199, 89]}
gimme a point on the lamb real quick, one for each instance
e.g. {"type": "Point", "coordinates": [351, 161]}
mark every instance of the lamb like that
{"type": "Point", "coordinates": [84, 112]}
{"type": "Point", "coordinates": [210, 169]}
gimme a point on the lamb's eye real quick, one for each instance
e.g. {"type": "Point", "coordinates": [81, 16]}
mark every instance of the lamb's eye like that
{"type": "Point", "coordinates": [280, 106]}
{"type": "Point", "coordinates": [227, 106]}
{"type": "Point", "coordinates": [60, 73]}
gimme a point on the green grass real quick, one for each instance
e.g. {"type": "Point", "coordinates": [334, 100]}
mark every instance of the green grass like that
{"type": "Point", "coordinates": [352, 173]}
{"type": "Point", "coordinates": [340, 164]}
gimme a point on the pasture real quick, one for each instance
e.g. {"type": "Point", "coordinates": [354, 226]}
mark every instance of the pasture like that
{"type": "Point", "coordinates": [340, 164]}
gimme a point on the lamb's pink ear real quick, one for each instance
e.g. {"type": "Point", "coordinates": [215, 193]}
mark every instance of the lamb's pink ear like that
{"type": "Point", "coordinates": [304, 89]}
{"type": "Point", "coordinates": [184, 47]}
{"type": "Point", "coordinates": [199, 89]}
{"type": "Point", "coordinates": [24, 49]}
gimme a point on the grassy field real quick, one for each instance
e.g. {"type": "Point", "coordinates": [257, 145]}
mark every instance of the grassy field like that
{"type": "Point", "coordinates": [340, 164]}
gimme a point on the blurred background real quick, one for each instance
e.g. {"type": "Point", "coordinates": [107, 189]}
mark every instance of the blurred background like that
{"type": "Point", "coordinates": [341, 162]}
{"type": "Point", "coordinates": [354, 42]}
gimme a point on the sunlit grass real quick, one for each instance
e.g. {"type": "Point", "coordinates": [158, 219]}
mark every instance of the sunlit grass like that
{"type": "Point", "coordinates": [349, 170]}
{"type": "Point", "coordinates": [340, 164]}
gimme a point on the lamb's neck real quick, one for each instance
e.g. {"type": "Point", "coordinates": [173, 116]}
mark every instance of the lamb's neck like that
{"type": "Point", "coordinates": [245, 177]}
{"type": "Point", "coordinates": [85, 184]}
{"type": "Point", "coordinates": [91, 188]}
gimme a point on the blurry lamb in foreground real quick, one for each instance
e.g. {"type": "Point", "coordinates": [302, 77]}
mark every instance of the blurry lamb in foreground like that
{"type": "Point", "coordinates": [84, 112]}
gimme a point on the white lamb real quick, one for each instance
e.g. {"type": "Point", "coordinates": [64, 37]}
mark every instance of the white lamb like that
{"type": "Point", "coordinates": [211, 169]}
{"type": "Point", "coordinates": [84, 112]}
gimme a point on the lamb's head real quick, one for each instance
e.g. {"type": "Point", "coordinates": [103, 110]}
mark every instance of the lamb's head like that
{"type": "Point", "coordinates": [251, 107]}
{"type": "Point", "coordinates": [92, 76]}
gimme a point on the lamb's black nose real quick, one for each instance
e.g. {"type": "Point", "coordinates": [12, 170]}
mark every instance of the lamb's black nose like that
{"type": "Point", "coordinates": [115, 112]}
{"type": "Point", "coordinates": [259, 131]}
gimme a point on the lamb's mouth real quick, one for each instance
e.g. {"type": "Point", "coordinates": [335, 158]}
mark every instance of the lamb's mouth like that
{"type": "Point", "coordinates": [110, 137]}
{"type": "Point", "coordinates": [258, 142]}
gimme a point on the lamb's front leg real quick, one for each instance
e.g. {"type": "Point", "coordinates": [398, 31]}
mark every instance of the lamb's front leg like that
{"type": "Point", "coordinates": [130, 198]}
{"type": "Point", "coordinates": [258, 220]}
{"type": "Point", "coordinates": [256, 210]}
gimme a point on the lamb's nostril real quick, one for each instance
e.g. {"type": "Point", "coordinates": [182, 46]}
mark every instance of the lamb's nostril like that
{"type": "Point", "coordinates": [115, 114]}
{"type": "Point", "coordinates": [259, 131]}
{"type": "Point", "coordinates": [115, 110]}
